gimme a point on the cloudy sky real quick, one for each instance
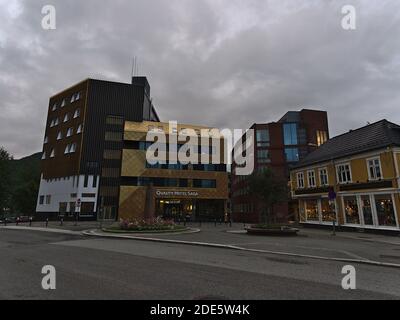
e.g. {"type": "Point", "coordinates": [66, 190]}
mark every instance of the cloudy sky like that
{"type": "Point", "coordinates": [223, 63]}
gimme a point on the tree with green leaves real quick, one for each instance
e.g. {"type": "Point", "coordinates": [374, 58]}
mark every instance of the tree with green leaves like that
{"type": "Point", "coordinates": [269, 189]}
{"type": "Point", "coordinates": [5, 177]}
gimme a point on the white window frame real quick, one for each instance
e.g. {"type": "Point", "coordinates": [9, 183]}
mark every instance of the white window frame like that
{"type": "Point", "coordinates": [77, 113]}
{"type": "Point", "coordinates": [380, 169]}
{"type": "Point", "coordinates": [338, 175]}
{"type": "Point", "coordinates": [311, 177]}
{"type": "Point", "coordinates": [320, 170]}
{"type": "Point", "coordinates": [54, 108]}
{"type": "Point", "coordinates": [59, 135]}
{"type": "Point", "coordinates": [52, 153]}
{"type": "Point", "coordinates": [66, 117]}
{"type": "Point", "coordinates": [79, 129]}
{"type": "Point", "coordinates": [63, 103]}
{"type": "Point", "coordinates": [300, 177]}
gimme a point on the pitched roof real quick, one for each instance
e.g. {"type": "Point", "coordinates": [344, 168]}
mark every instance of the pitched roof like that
{"type": "Point", "coordinates": [374, 136]}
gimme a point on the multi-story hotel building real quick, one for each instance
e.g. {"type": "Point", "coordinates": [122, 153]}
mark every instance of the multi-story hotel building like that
{"type": "Point", "coordinates": [191, 191]}
{"type": "Point", "coordinates": [278, 145]}
{"type": "Point", "coordinates": [352, 179]}
{"type": "Point", "coordinates": [94, 159]}
{"type": "Point", "coordinates": [83, 142]}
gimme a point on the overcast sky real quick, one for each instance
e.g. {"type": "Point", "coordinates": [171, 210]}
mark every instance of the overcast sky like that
{"type": "Point", "coordinates": [218, 63]}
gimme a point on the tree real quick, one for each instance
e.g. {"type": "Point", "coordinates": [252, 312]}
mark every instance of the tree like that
{"type": "Point", "coordinates": [269, 189]}
{"type": "Point", "coordinates": [5, 177]}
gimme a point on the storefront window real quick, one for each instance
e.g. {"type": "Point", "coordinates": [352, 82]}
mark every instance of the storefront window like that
{"type": "Point", "coordinates": [367, 210]}
{"type": "Point", "coordinates": [328, 211]}
{"type": "Point", "coordinates": [385, 210]}
{"type": "Point", "coordinates": [351, 210]}
{"type": "Point", "coordinates": [312, 210]}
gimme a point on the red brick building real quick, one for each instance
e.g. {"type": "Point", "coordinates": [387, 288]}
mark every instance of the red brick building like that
{"type": "Point", "coordinates": [278, 145]}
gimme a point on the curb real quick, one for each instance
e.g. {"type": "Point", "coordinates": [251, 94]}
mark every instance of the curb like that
{"type": "Point", "coordinates": [93, 233]}
{"type": "Point", "coordinates": [50, 230]}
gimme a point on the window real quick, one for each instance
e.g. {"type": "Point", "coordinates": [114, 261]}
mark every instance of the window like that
{"type": "Point", "coordinates": [323, 177]}
{"type": "Point", "coordinates": [70, 132]}
{"type": "Point", "coordinates": [77, 113]}
{"type": "Point", "coordinates": [44, 156]}
{"type": "Point", "coordinates": [86, 181]}
{"type": "Point", "coordinates": [343, 173]}
{"type": "Point", "coordinates": [292, 154]}
{"type": "Point", "coordinates": [80, 129]}
{"type": "Point", "coordinates": [263, 138]}
{"type": "Point", "coordinates": [94, 184]}
{"type": "Point", "coordinates": [77, 96]}
{"type": "Point", "coordinates": [374, 169]}
{"type": "Point", "coordinates": [66, 117]}
{"type": "Point", "coordinates": [351, 210]}
{"type": "Point", "coordinates": [112, 154]}
{"type": "Point", "coordinates": [385, 210]}
{"type": "Point", "coordinates": [59, 135]}
{"type": "Point", "coordinates": [263, 156]}
{"type": "Point", "coordinates": [63, 103]}
{"type": "Point", "coordinates": [41, 200]}
{"type": "Point", "coordinates": [367, 210]}
{"type": "Point", "coordinates": [197, 183]}
{"type": "Point", "coordinates": [113, 136]}
{"type": "Point", "coordinates": [115, 120]}
{"type": "Point", "coordinates": [73, 148]}
{"type": "Point", "coordinates": [322, 137]}
{"type": "Point", "coordinates": [54, 108]}
{"type": "Point", "coordinates": [312, 213]}
{"type": "Point", "coordinates": [311, 179]}
{"type": "Point", "coordinates": [300, 180]}
{"type": "Point", "coordinates": [290, 134]}
{"type": "Point", "coordinates": [48, 199]}
{"type": "Point", "coordinates": [46, 139]}
{"type": "Point", "coordinates": [52, 153]}
{"type": "Point", "coordinates": [56, 122]}
{"type": "Point", "coordinates": [327, 212]}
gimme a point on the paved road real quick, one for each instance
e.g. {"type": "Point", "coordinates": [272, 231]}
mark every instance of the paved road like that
{"type": "Point", "coordinates": [91, 268]}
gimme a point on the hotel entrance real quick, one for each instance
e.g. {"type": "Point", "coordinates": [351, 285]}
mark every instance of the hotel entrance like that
{"type": "Point", "coordinates": [171, 209]}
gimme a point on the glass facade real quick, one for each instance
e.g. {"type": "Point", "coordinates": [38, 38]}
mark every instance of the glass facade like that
{"type": "Point", "coordinates": [367, 210]}
{"type": "Point", "coordinates": [292, 154]}
{"type": "Point", "coordinates": [262, 137]}
{"type": "Point", "coordinates": [312, 210]}
{"type": "Point", "coordinates": [290, 134]}
{"type": "Point", "coordinates": [385, 210]}
{"type": "Point", "coordinates": [351, 210]}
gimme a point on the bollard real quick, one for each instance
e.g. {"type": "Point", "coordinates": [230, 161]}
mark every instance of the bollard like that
{"type": "Point", "coordinates": [61, 221]}
{"type": "Point", "coordinates": [30, 221]}
{"type": "Point", "coordinates": [47, 222]}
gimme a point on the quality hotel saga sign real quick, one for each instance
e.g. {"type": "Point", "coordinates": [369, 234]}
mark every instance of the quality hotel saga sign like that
{"type": "Point", "coordinates": [161, 193]}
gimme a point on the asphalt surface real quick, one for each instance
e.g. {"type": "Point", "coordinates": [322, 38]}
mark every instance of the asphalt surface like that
{"type": "Point", "coordinates": [92, 268]}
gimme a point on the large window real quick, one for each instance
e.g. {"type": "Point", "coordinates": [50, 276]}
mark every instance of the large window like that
{"type": "Point", "coordinates": [312, 210]}
{"type": "Point", "coordinates": [344, 173]}
{"type": "Point", "coordinates": [385, 210]}
{"type": "Point", "coordinates": [351, 210]}
{"type": "Point", "coordinates": [197, 183]}
{"type": "Point", "coordinates": [263, 138]}
{"type": "Point", "coordinates": [367, 210]}
{"type": "Point", "coordinates": [113, 136]}
{"type": "Point", "coordinates": [290, 134]}
{"type": "Point", "coordinates": [374, 169]}
{"type": "Point", "coordinates": [327, 211]}
{"type": "Point", "coordinates": [322, 137]}
{"type": "Point", "coordinates": [292, 154]}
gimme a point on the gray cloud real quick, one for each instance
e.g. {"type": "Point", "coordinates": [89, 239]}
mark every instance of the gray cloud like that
{"type": "Point", "coordinates": [214, 62]}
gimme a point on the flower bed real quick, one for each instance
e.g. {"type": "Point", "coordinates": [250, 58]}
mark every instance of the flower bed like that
{"type": "Point", "coordinates": [145, 226]}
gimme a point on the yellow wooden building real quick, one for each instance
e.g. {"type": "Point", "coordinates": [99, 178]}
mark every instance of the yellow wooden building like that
{"type": "Point", "coordinates": [359, 171]}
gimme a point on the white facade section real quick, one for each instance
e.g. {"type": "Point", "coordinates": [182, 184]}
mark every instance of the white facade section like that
{"type": "Point", "coordinates": [68, 190]}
